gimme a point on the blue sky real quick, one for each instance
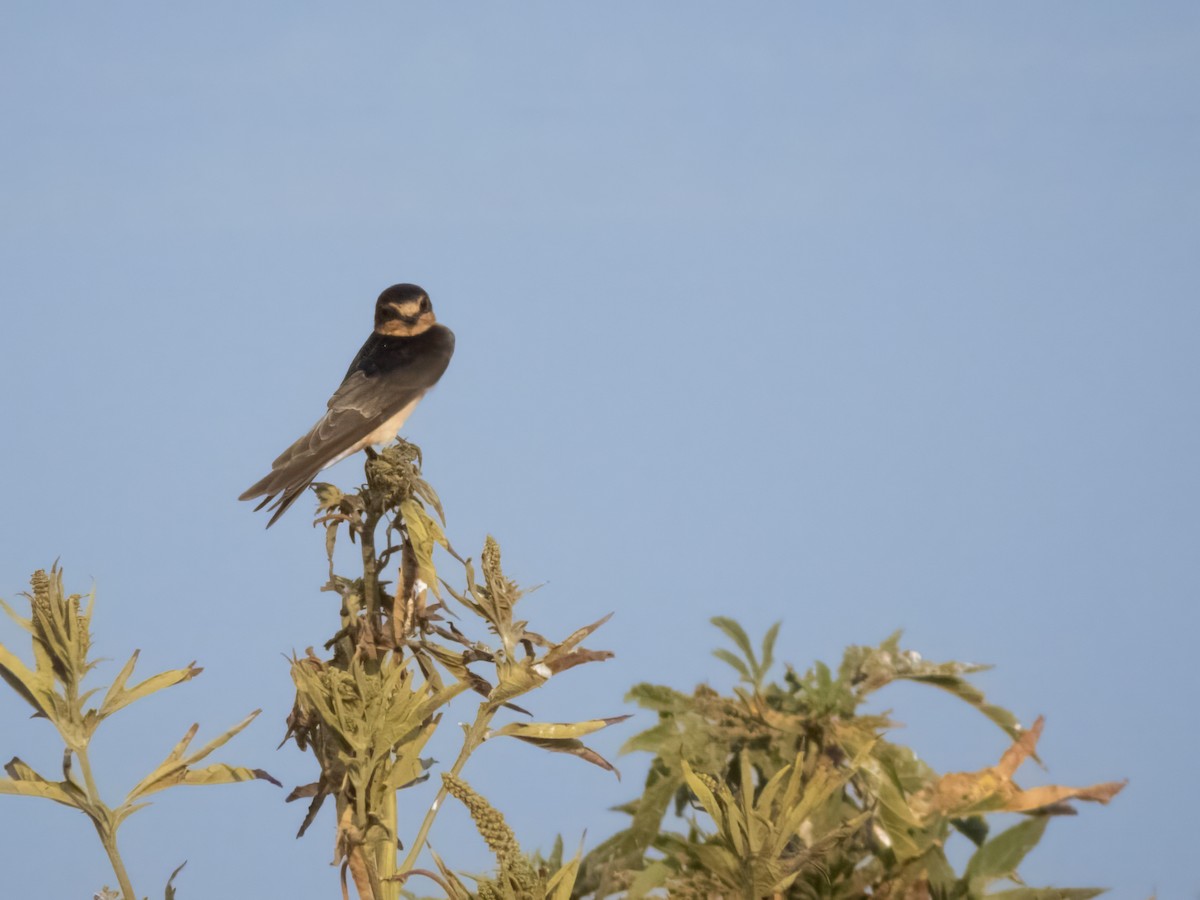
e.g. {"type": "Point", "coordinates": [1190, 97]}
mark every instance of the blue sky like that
{"type": "Point", "coordinates": [861, 318]}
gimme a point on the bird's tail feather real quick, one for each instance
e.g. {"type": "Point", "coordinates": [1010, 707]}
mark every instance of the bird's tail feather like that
{"type": "Point", "coordinates": [281, 488]}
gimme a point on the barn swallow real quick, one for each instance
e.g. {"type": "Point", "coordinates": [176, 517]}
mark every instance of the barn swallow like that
{"type": "Point", "coordinates": [404, 357]}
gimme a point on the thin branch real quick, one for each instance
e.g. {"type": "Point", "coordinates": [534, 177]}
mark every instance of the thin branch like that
{"type": "Point", "coordinates": [472, 740]}
{"type": "Point", "coordinates": [107, 838]}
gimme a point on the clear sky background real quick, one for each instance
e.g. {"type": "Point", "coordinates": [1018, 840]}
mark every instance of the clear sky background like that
{"type": "Point", "coordinates": [857, 317]}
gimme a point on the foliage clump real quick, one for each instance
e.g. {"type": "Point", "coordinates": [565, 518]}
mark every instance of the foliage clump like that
{"type": "Point", "coordinates": [789, 791]}
{"type": "Point", "coordinates": [60, 630]}
{"type": "Point", "coordinates": [782, 788]}
{"type": "Point", "coordinates": [397, 660]}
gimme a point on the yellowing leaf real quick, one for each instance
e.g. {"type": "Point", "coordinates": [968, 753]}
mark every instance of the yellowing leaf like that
{"type": "Point", "coordinates": [118, 697]}
{"type": "Point", "coordinates": [175, 769]}
{"type": "Point", "coordinates": [560, 885]}
{"type": "Point", "coordinates": [220, 773]}
{"type": "Point", "coordinates": [424, 533]}
{"type": "Point", "coordinates": [26, 782]}
{"type": "Point", "coordinates": [555, 730]}
{"type": "Point", "coordinates": [992, 789]}
{"type": "Point", "coordinates": [36, 688]}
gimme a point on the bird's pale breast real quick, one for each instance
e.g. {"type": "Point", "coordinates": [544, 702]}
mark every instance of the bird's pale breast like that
{"type": "Point", "coordinates": [381, 435]}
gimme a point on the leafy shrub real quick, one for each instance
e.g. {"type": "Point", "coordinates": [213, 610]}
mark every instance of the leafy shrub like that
{"type": "Point", "coordinates": [781, 788]}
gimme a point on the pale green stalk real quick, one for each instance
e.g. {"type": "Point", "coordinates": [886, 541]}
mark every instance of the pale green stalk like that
{"type": "Point", "coordinates": [107, 838]}
{"type": "Point", "coordinates": [474, 737]}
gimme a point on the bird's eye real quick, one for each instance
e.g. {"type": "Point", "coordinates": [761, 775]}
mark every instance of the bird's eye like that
{"type": "Point", "coordinates": [424, 304]}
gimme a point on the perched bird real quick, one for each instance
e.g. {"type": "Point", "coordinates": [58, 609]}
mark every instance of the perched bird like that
{"type": "Point", "coordinates": [402, 359]}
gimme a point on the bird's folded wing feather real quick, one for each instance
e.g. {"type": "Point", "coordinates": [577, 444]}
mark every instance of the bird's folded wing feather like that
{"type": "Point", "coordinates": [362, 404]}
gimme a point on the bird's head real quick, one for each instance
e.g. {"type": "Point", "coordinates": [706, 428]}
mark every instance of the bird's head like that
{"type": "Point", "coordinates": [403, 310]}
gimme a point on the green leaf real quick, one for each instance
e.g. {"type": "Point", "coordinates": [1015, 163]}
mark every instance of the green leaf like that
{"type": "Point", "coordinates": [942, 877]}
{"type": "Point", "coordinates": [648, 879]}
{"type": "Point", "coordinates": [718, 807]}
{"type": "Point", "coordinates": [768, 649]}
{"type": "Point", "coordinates": [727, 657]}
{"type": "Point", "coordinates": [736, 634]}
{"type": "Point", "coordinates": [904, 827]}
{"type": "Point", "coordinates": [999, 857]}
{"type": "Point", "coordinates": [653, 739]}
{"type": "Point", "coordinates": [630, 845]}
{"type": "Point", "coordinates": [720, 862]}
{"type": "Point", "coordinates": [659, 698]}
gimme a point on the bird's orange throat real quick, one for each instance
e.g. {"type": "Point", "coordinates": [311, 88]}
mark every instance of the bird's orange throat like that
{"type": "Point", "coordinates": [399, 328]}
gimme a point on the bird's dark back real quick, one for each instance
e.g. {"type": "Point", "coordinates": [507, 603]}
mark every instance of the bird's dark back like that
{"type": "Point", "coordinates": [429, 351]}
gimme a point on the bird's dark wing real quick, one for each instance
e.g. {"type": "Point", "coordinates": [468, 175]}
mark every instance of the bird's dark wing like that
{"type": "Point", "coordinates": [387, 376]}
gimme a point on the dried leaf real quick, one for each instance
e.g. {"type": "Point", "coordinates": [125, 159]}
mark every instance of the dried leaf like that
{"type": "Point", "coordinates": [1048, 795]}
{"type": "Point", "coordinates": [170, 891]}
{"type": "Point", "coordinates": [992, 789]}
{"type": "Point", "coordinates": [576, 637]}
{"type": "Point", "coordinates": [560, 663]}
{"type": "Point", "coordinates": [572, 747]}
{"type": "Point", "coordinates": [303, 791]}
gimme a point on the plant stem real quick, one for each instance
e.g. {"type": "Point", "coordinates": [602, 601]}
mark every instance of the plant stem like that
{"type": "Point", "coordinates": [107, 838]}
{"type": "Point", "coordinates": [385, 850]}
{"type": "Point", "coordinates": [471, 742]}
{"type": "Point", "coordinates": [370, 569]}
{"type": "Point", "coordinates": [88, 780]}
{"type": "Point", "coordinates": [114, 857]}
